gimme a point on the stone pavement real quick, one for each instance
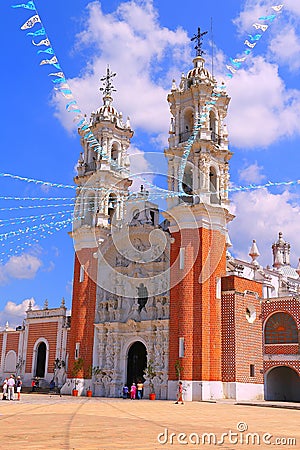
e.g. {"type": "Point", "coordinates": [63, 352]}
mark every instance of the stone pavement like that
{"type": "Point", "coordinates": [53, 422]}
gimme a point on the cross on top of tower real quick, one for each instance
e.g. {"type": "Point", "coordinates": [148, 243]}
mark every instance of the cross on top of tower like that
{"type": "Point", "coordinates": [108, 86]}
{"type": "Point", "coordinates": [198, 37]}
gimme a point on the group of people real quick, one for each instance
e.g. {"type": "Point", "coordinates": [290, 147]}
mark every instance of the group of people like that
{"type": "Point", "coordinates": [8, 388]}
{"type": "Point", "coordinates": [136, 391]}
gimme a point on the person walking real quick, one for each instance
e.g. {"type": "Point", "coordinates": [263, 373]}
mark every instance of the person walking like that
{"type": "Point", "coordinates": [140, 387]}
{"type": "Point", "coordinates": [19, 386]}
{"type": "Point", "coordinates": [133, 391]}
{"type": "Point", "coordinates": [4, 389]}
{"type": "Point", "coordinates": [125, 391]}
{"type": "Point", "coordinates": [179, 393]}
{"type": "Point", "coordinates": [11, 387]}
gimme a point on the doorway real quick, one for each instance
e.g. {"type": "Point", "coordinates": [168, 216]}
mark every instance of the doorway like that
{"type": "Point", "coordinates": [41, 360]}
{"type": "Point", "coordinates": [136, 363]}
{"type": "Point", "coordinates": [283, 385]}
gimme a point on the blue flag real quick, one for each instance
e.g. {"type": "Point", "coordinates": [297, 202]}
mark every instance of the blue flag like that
{"type": "Point", "coordinates": [29, 5]}
{"type": "Point", "coordinates": [39, 32]}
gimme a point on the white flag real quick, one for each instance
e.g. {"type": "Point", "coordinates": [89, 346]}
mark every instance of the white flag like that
{"type": "Point", "coordinates": [49, 61]}
{"type": "Point", "coordinates": [277, 8]}
{"type": "Point", "coordinates": [260, 26]}
{"type": "Point", "coordinates": [43, 42]}
{"type": "Point", "coordinates": [249, 43]}
{"type": "Point", "coordinates": [31, 22]}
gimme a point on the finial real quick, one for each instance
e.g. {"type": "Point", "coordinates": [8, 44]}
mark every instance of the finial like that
{"type": "Point", "coordinates": [254, 253]}
{"type": "Point", "coordinates": [63, 303]}
{"type": "Point", "coordinates": [30, 306]}
{"type": "Point", "coordinates": [6, 326]}
{"type": "Point", "coordinates": [174, 87]}
{"type": "Point", "coordinates": [46, 304]}
{"type": "Point", "coordinates": [198, 37]}
{"type": "Point", "coordinates": [108, 86]}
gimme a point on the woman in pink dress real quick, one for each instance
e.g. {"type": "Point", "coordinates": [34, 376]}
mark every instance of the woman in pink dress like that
{"type": "Point", "coordinates": [133, 391]}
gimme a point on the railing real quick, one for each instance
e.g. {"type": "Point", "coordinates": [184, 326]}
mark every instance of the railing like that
{"type": "Point", "coordinates": [183, 137]}
{"type": "Point", "coordinates": [215, 138]}
{"type": "Point", "coordinates": [90, 167]}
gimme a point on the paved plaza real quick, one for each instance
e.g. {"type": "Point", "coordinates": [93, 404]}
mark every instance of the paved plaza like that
{"type": "Point", "coordinates": [52, 422]}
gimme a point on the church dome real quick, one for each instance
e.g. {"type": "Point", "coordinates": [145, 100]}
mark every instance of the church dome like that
{"type": "Point", "coordinates": [199, 71]}
{"type": "Point", "coordinates": [107, 110]}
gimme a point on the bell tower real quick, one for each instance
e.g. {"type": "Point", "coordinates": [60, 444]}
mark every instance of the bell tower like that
{"type": "Point", "coordinates": [198, 213]}
{"type": "Point", "coordinates": [102, 187]}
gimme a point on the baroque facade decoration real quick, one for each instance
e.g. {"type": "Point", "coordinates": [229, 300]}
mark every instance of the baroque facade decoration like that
{"type": "Point", "coordinates": [165, 292]}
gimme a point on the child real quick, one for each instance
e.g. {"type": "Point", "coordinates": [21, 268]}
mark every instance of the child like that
{"type": "Point", "coordinates": [4, 389]}
{"type": "Point", "coordinates": [179, 393]}
{"type": "Point", "coordinates": [133, 391]}
{"type": "Point", "coordinates": [19, 386]}
{"type": "Point", "coordinates": [125, 391]}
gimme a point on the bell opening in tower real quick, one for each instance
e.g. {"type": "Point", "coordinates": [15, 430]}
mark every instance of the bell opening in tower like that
{"type": "Point", "coordinates": [112, 203]}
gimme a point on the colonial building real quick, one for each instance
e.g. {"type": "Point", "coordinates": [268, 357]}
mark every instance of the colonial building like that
{"type": "Point", "coordinates": [165, 292]}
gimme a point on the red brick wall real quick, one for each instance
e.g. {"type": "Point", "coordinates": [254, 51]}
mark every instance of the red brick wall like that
{"type": "Point", "coordinates": [195, 313]}
{"type": "Point", "coordinates": [248, 340]}
{"type": "Point", "coordinates": [241, 340]}
{"type": "Point", "coordinates": [48, 331]}
{"type": "Point", "coordinates": [12, 342]}
{"type": "Point", "coordinates": [285, 349]}
{"type": "Point", "coordinates": [228, 336]}
{"type": "Point", "coordinates": [83, 310]}
{"type": "Point", "coordinates": [292, 364]}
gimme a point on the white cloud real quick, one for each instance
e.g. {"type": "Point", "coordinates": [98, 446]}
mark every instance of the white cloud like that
{"type": "Point", "coordinates": [134, 44]}
{"type": "Point", "coordinates": [293, 6]}
{"type": "Point", "coordinates": [14, 313]}
{"type": "Point", "coordinates": [251, 173]}
{"type": "Point", "coordinates": [24, 266]}
{"type": "Point", "coordinates": [285, 47]}
{"type": "Point", "coordinates": [259, 96]}
{"type": "Point", "coordinates": [261, 215]}
{"type": "Point", "coordinates": [140, 168]}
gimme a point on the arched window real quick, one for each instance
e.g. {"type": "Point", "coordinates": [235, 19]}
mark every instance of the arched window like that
{"type": "Point", "coordinates": [212, 122]}
{"type": "Point", "coordinates": [90, 210]}
{"type": "Point", "coordinates": [281, 328]}
{"type": "Point", "coordinates": [143, 296]}
{"type": "Point", "coordinates": [213, 186]}
{"type": "Point", "coordinates": [115, 152]}
{"type": "Point", "coordinates": [187, 182]}
{"type": "Point", "coordinates": [10, 361]}
{"type": "Point", "coordinates": [187, 125]}
{"type": "Point", "coordinates": [112, 204]}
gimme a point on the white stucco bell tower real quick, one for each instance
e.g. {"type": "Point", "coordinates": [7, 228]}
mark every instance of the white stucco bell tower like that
{"type": "Point", "coordinates": [198, 108]}
{"type": "Point", "coordinates": [105, 171]}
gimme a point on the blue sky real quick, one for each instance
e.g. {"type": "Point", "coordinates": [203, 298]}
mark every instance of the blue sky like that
{"type": "Point", "coordinates": [147, 44]}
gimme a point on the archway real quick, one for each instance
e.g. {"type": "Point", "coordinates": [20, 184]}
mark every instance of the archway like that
{"type": "Point", "coordinates": [136, 362]}
{"type": "Point", "coordinates": [283, 385]}
{"type": "Point", "coordinates": [41, 360]}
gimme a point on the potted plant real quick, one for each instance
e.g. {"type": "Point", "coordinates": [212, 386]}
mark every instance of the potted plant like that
{"type": "Point", "coordinates": [150, 374]}
{"type": "Point", "coordinates": [89, 392]}
{"type": "Point", "coordinates": [77, 367]}
{"type": "Point", "coordinates": [178, 369]}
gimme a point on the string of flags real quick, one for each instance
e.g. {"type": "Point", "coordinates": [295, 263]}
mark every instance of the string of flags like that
{"type": "Point", "coordinates": [39, 38]}
{"type": "Point", "coordinates": [252, 40]}
{"type": "Point", "coordinates": [36, 31]}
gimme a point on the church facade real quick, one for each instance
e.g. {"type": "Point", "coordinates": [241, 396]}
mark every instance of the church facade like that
{"type": "Point", "coordinates": [158, 297]}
